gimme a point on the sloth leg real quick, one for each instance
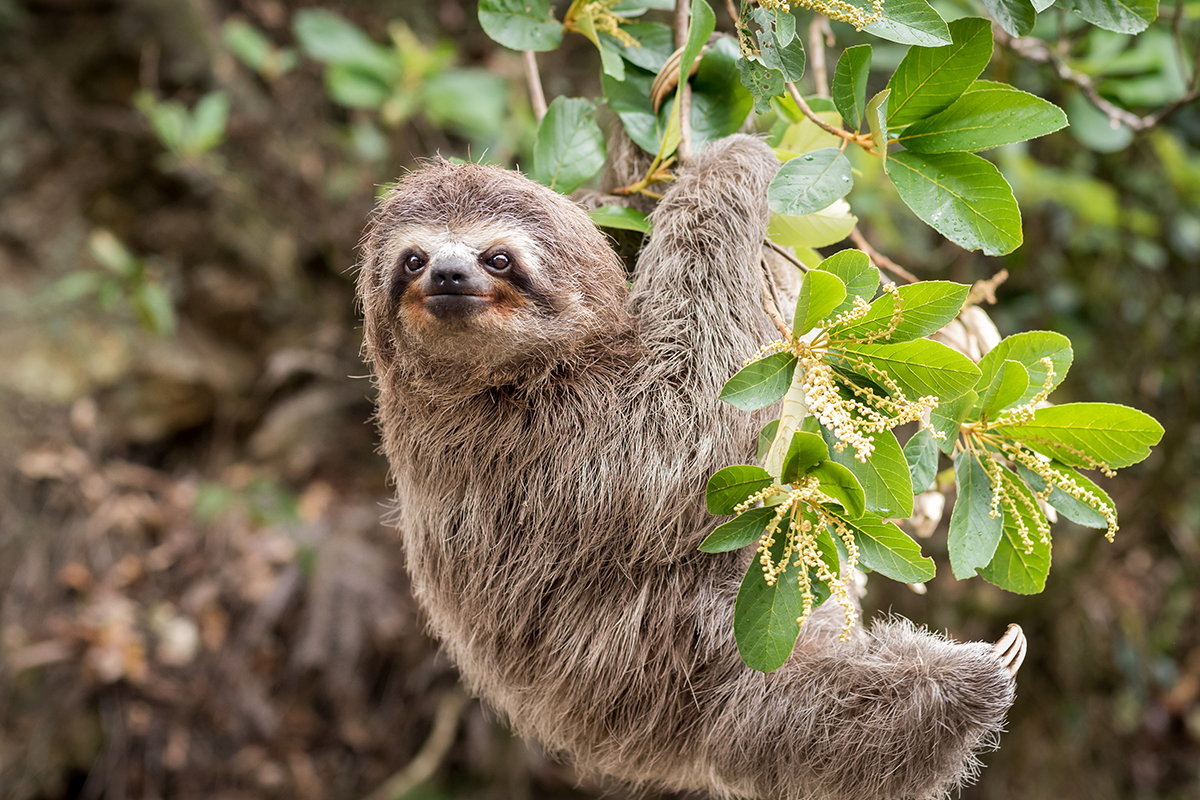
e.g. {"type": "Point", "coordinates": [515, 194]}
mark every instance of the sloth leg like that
{"type": "Point", "coordinates": [898, 714]}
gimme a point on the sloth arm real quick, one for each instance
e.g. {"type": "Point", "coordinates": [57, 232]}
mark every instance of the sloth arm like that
{"type": "Point", "coordinates": [897, 713]}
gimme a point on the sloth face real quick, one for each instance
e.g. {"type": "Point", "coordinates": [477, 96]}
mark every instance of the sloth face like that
{"type": "Point", "coordinates": [481, 267]}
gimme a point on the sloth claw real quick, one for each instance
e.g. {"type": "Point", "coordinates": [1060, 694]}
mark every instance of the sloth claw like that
{"type": "Point", "coordinates": [1011, 649]}
{"type": "Point", "coordinates": [667, 78]}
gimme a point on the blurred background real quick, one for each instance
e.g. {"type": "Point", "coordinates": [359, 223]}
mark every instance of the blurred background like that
{"type": "Point", "coordinates": [197, 596]}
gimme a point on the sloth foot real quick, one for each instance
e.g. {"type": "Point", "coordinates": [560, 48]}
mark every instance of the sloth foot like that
{"type": "Point", "coordinates": [1011, 649]}
{"type": "Point", "coordinates": [667, 78]}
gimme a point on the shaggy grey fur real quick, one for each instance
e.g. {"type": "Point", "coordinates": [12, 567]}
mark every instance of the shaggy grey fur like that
{"type": "Point", "coordinates": [550, 469]}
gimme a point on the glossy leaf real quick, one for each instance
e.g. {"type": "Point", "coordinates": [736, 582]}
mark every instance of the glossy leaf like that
{"type": "Point", "coordinates": [766, 436]}
{"type": "Point", "coordinates": [929, 79]}
{"type": "Point", "coordinates": [570, 147]}
{"type": "Point", "coordinates": [962, 196]}
{"type": "Point", "coordinates": [820, 293]}
{"type": "Point", "coordinates": [1017, 566]}
{"type": "Point", "coordinates": [1028, 349]}
{"type": "Point", "coordinates": [908, 22]}
{"type": "Point", "coordinates": [988, 115]}
{"type": "Point", "coordinates": [1122, 16]}
{"type": "Point", "coordinates": [855, 270]}
{"type": "Point", "coordinates": [1073, 509]}
{"type": "Point", "coordinates": [825, 227]}
{"type": "Point", "coordinates": [742, 530]}
{"type": "Point", "coordinates": [806, 451]}
{"type": "Point", "coordinates": [760, 383]}
{"type": "Point", "coordinates": [840, 484]}
{"type": "Point", "coordinates": [1016, 17]}
{"type": "Point", "coordinates": [657, 43]}
{"type": "Point", "coordinates": [520, 24]}
{"type": "Point", "coordinates": [921, 455]}
{"type": "Point", "coordinates": [849, 89]}
{"type": "Point", "coordinates": [884, 477]}
{"type": "Point", "coordinates": [921, 367]}
{"type": "Point", "coordinates": [777, 49]}
{"type": "Point", "coordinates": [630, 99]}
{"type": "Point", "coordinates": [974, 533]}
{"type": "Point", "coordinates": [628, 219]}
{"type": "Point", "coordinates": [1007, 386]}
{"type": "Point", "coordinates": [876, 113]}
{"type": "Point", "coordinates": [332, 39]}
{"type": "Point", "coordinates": [948, 418]}
{"type": "Point", "coordinates": [1109, 433]}
{"type": "Point", "coordinates": [765, 617]}
{"type": "Point", "coordinates": [720, 104]}
{"type": "Point", "coordinates": [886, 549]}
{"type": "Point", "coordinates": [610, 59]}
{"type": "Point", "coordinates": [925, 308]}
{"type": "Point", "coordinates": [811, 182]}
{"type": "Point", "coordinates": [729, 487]}
{"type": "Point", "coordinates": [763, 83]}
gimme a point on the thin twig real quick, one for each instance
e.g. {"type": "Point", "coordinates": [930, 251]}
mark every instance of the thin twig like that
{"type": "Point", "coordinates": [685, 89]}
{"type": "Point", "coordinates": [770, 304]}
{"type": "Point", "coordinates": [733, 12]}
{"type": "Point", "coordinates": [1036, 50]}
{"type": "Point", "coordinates": [795, 262]}
{"type": "Point", "coordinates": [985, 290]}
{"type": "Point", "coordinates": [879, 258]}
{"type": "Point", "coordinates": [816, 53]}
{"type": "Point", "coordinates": [432, 753]}
{"type": "Point", "coordinates": [536, 96]}
{"type": "Point", "coordinates": [863, 141]}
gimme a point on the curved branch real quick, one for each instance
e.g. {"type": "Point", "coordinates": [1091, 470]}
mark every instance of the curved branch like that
{"type": "Point", "coordinates": [432, 753]}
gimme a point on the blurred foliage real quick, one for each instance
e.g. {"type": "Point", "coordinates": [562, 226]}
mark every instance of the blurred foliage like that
{"type": "Point", "coordinates": [197, 595]}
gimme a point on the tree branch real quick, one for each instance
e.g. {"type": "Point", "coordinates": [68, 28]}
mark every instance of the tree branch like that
{"type": "Point", "coordinates": [685, 89]}
{"type": "Point", "coordinates": [770, 302]}
{"type": "Point", "coordinates": [1038, 52]}
{"type": "Point", "coordinates": [879, 258]}
{"type": "Point", "coordinates": [795, 262]}
{"type": "Point", "coordinates": [432, 753]}
{"type": "Point", "coordinates": [863, 141]}
{"type": "Point", "coordinates": [816, 50]}
{"type": "Point", "coordinates": [536, 96]}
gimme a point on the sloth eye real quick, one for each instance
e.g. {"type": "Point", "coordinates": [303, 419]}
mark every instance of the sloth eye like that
{"type": "Point", "coordinates": [413, 263]}
{"type": "Point", "coordinates": [499, 262]}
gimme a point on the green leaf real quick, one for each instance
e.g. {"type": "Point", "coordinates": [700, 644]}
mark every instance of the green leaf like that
{"type": "Point", "coordinates": [820, 293]}
{"type": "Point", "coordinates": [987, 115]}
{"type": "Point", "coordinates": [825, 227]}
{"type": "Point", "coordinates": [921, 367]}
{"type": "Point", "coordinates": [962, 196]}
{"type": "Point", "coordinates": [630, 99]}
{"type": "Point", "coordinates": [948, 418]}
{"type": "Point", "coordinates": [908, 22]}
{"type": "Point", "coordinates": [765, 617]}
{"type": "Point", "coordinates": [729, 487]}
{"type": "Point", "coordinates": [1114, 435]}
{"type": "Point", "coordinates": [1016, 17]}
{"type": "Point", "coordinates": [570, 147]}
{"type": "Point", "coordinates": [1093, 128]}
{"type": "Point", "coordinates": [840, 485]}
{"type": "Point", "coordinates": [854, 269]}
{"type": "Point", "coordinates": [876, 113]}
{"type": "Point", "coordinates": [925, 308]}
{"type": "Point", "coordinates": [766, 436]}
{"type": "Point", "coordinates": [809, 183]}
{"type": "Point", "coordinates": [974, 533]}
{"type": "Point", "coordinates": [208, 123]}
{"type": "Point", "coordinates": [931, 78]}
{"type": "Point", "coordinates": [467, 101]}
{"type": "Point", "coordinates": [627, 219]}
{"type": "Point", "coordinates": [744, 529]}
{"type": "Point", "coordinates": [787, 58]}
{"type": "Point", "coordinates": [112, 254]}
{"type": "Point", "coordinates": [886, 549]}
{"type": "Point", "coordinates": [849, 88]}
{"type": "Point", "coordinates": [520, 24]}
{"type": "Point", "coordinates": [921, 453]}
{"type": "Point", "coordinates": [805, 451]}
{"type": "Point", "coordinates": [884, 477]}
{"type": "Point", "coordinates": [1007, 386]}
{"type": "Point", "coordinates": [657, 43]}
{"type": "Point", "coordinates": [1122, 16]}
{"type": "Point", "coordinates": [1017, 566]}
{"type": "Point", "coordinates": [1073, 509]}
{"type": "Point", "coordinates": [760, 383]}
{"type": "Point", "coordinates": [610, 59]}
{"type": "Point", "coordinates": [720, 104]}
{"type": "Point", "coordinates": [154, 308]}
{"type": "Point", "coordinates": [247, 43]}
{"type": "Point", "coordinates": [763, 83]}
{"type": "Point", "coordinates": [332, 39]}
{"type": "Point", "coordinates": [1028, 349]}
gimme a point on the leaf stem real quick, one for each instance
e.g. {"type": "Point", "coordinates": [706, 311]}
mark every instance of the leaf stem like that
{"type": "Point", "coordinates": [879, 258]}
{"type": "Point", "coordinates": [862, 140]}
{"type": "Point", "coordinates": [797, 263]}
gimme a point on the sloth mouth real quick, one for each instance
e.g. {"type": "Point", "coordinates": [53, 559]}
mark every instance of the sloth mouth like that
{"type": "Point", "coordinates": [456, 305]}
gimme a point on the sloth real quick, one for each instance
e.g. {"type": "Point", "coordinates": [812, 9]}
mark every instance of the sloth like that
{"type": "Point", "coordinates": [550, 428]}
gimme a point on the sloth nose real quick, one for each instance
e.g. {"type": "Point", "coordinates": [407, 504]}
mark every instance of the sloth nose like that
{"type": "Point", "coordinates": [453, 276]}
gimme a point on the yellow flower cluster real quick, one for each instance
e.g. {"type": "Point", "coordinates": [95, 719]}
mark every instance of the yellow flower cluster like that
{"type": "Point", "coordinates": [834, 9]}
